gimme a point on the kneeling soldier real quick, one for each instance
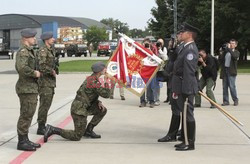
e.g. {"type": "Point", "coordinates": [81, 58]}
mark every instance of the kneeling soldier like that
{"type": "Point", "coordinates": [85, 103]}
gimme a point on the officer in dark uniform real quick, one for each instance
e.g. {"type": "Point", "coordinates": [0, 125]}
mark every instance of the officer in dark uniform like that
{"type": "Point", "coordinates": [185, 85]}
{"type": "Point", "coordinates": [176, 117]}
{"type": "Point", "coordinates": [85, 103]}
{"type": "Point", "coordinates": [26, 88]}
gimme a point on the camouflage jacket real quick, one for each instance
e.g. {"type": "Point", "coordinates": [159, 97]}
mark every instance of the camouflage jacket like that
{"type": "Point", "coordinates": [46, 58]}
{"type": "Point", "coordinates": [25, 66]}
{"type": "Point", "coordinates": [88, 93]}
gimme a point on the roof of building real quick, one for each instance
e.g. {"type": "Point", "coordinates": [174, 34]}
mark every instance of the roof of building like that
{"type": "Point", "coordinates": [19, 21]}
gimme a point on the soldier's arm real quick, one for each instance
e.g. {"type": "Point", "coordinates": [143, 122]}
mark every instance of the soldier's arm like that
{"type": "Point", "coordinates": [190, 64]}
{"type": "Point", "coordinates": [103, 91]}
{"type": "Point", "coordinates": [22, 64]}
{"type": "Point", "coordinates": [44, 68]}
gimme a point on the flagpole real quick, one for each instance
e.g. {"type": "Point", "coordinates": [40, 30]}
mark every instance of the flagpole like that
{"type": "Point", "coordinates": [154, 57]}
{"type": "Point", "coordinates": [212, 30]}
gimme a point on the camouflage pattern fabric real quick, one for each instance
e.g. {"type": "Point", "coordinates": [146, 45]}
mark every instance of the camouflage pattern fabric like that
{"type": "Point", "coordinates": [26, 87]}
{"type": "Point", "coordinates": [25, 66]}
{"type": "Point", "coordinates": [47, 82]}
{"type": "Point", "coordinates": [82, 107]}
{"type": "Point", "coordinates": [28, 102]}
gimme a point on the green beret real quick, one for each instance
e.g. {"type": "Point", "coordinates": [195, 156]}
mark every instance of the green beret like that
{"type": "Point", "coordinates": [98, 67]}
{"type": "Point", "coordinates": [28, 33]}
{"type": "Point", "coordinates": [47, 35]}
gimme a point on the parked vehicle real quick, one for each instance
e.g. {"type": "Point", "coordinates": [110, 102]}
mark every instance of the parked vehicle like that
{"type": "Point", "coordinates": [103, 49]}
{"type": "Point", "coordinates": [60, 49]}
{"type": "Point", "coordinates": [77, 50]}
{"type": "Point", "coordinates": [4, 50]}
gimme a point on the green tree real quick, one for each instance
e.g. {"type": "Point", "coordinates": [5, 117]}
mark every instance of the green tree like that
{"type": "Point", "coordinates": [231, 21]}
{"type": "Point", "coordinates": [116, 24]}
{"type": "Point", "coordinates": [95, 35]}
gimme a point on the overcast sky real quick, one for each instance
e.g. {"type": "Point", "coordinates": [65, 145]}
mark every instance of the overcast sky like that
{"type": "Point", "coordinates": [134, 12]}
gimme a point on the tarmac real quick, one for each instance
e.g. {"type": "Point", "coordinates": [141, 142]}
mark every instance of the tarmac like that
{"type": "Point", "coordinates": [129, 133]}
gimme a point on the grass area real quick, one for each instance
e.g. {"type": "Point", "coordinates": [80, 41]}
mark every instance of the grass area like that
{"type": "Point", "coordinates": [244, 67]}
{"type": "Point", "coordinates": [78, 65]}
{"type": "Point", "coordinates": [85, 66]}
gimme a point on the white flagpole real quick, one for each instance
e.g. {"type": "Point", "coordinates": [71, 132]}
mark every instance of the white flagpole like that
{"type": "Point", "coordinates": [212, 30]}
{"type": "Point", "coordinates": [154, 57]}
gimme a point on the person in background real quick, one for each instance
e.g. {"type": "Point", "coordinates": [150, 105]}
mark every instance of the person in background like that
{"type": "Point", "coordinates": [228, 61]}
{"type": "Point", "coordinates": [162, 53]}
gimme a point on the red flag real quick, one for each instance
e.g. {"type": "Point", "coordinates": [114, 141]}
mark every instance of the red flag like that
{"type": "Point", "coordinates": [133, 65]}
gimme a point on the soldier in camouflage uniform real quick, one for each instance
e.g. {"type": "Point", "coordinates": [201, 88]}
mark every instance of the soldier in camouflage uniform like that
{"type": "Point", "coordinates": [85, 103]}
{"type": "Point", "coordinates": [47, 81]}
{"type": "Point", "coordinates": [26, 88]}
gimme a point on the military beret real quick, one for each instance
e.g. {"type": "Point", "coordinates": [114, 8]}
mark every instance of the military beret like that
{"type": "Point", "coordinates": [47, 35]}
{"type": "Point", "coordinates": [187, 27]}
{"type": "Point", "coordinates": [98, 67]}
{"type": "Point", "coordinates": [28, 33]}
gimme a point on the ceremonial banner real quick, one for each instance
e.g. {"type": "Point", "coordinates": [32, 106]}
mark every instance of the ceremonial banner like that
{"type": "Point", "coordinates": [133, 66]}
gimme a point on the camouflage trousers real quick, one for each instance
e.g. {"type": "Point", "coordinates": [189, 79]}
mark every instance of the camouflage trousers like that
{"type": "Point", "coordinates": [80, 122]}
{"type": "Point", "coordinates": [28, 102]}
{"type": "Point", "coordinates": [46, 96]}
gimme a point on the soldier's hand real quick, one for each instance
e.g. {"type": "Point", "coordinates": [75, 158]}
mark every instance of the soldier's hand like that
{"type": "Point", "coordinates": [37, 74]}
{"type": "Point", "coordinates": [54, 73]}
{"type": "Point", "coordinates": [101, 107]}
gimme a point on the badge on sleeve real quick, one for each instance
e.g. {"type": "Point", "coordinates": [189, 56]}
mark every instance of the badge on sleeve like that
{"type": "Point", "coordinates": [190, 57]}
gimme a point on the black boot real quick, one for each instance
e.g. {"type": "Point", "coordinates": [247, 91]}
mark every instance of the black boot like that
{"type": "Point", "coordinates": [50, 130]}
{"type": "Point", "coordinates": [41, 129]}
{"type": "Point", "coordinates": [24, 144]}
{"type": "Point", "coordinates": [173, 129]}
{"type": "Point", "coordinates": [36, 145]}
{"type": "Point", "coordinates": [90, 133]}
{"type": "Point", "coordinates": [191, 138]}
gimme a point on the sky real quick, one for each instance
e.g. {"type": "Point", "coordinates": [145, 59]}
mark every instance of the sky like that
{"type": "Point", "coordinates": [135, 13]}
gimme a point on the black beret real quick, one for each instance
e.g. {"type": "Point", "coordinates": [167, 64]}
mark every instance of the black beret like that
{"type": "Point", "coordinates": [187, 27]}
{"type": "Point", "coordinates": [98, 67]}
{"type": "Point", "coordinates": [47, 35]}
{"type": "Point", "coordinates": [28, 33]}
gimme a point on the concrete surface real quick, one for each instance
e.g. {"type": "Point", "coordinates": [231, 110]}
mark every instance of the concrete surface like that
{"type": "Point", "coordinates": [129, 133]}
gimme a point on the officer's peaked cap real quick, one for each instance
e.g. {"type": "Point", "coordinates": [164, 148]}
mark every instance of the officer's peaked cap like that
{"type": "Point", "coordinates": [28, 33]}
{"type": "Point", "coordinates": [188, 27]}
{"type": "Point", "coordinates": [98, 67]}
{"type": "Point", "coordinates": [47, 35]}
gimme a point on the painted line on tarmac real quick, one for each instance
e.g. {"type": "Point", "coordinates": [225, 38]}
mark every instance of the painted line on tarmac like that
{"type": "Point", "coordinates": [1, 144]}
{"type": "Point", "coordinates": [26, 154]}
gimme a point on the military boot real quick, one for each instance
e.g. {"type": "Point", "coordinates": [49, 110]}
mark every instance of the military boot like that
{"type": "Point", "coordinates": [191, 138]}
{"type": "Point", "coordinates": [90, 133]}
{"type": "Point", "coordinates": [41, 129]}
{"type": "Point", "coordinates": [36, 145]}
{"type": "Point", "coordinates": [24, 144]}
{"type": "Point", "coordinates": [50, 130]}
{"type": "Point", "coordinates": [173, 129]}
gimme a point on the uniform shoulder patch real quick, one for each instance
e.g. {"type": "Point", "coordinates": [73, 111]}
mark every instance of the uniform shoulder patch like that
{"type": "Point", "coordinates": [42, 52]}
{"type": "Point", "coordinates": [23, 52]}
{"type": "Point", "coordinates": [190, 56]}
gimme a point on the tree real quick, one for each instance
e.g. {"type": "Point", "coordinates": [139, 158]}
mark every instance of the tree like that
{"type": "Point", "coordinates": [231, 21]}
{"type": "Point", "coordinates": [95, 35]}
{"type": "Point", "coordinates": [162, 23]}
{"type": "Point", "coordinates": [116, 24]}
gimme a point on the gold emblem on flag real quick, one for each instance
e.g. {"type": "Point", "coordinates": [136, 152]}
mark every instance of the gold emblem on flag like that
{"type": "Point", "coordinates": [134, 63]}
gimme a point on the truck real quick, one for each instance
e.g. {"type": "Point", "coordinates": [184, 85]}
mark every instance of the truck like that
{"type": "Point", "coordinates": [5, 51]}
{"type": "Point", "coordinates": [72, 38]}
{"type": "Point", "coordinates": [60, 49]}
{"type": "Point", "coordinates": [76, 49]}
{"type": "Point", "coordinates": [103, 49]}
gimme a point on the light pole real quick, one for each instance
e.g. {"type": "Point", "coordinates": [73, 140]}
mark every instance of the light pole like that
{"type": "Point", "coordinates": [174, 9]}
{"type": "Point", "coordinates": [175, 17]}
{"type": "Point", "coordinates": [212, 30]}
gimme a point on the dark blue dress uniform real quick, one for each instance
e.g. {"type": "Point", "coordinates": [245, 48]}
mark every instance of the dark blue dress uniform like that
{"type": "Point", "coordinates": [185, 86]}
